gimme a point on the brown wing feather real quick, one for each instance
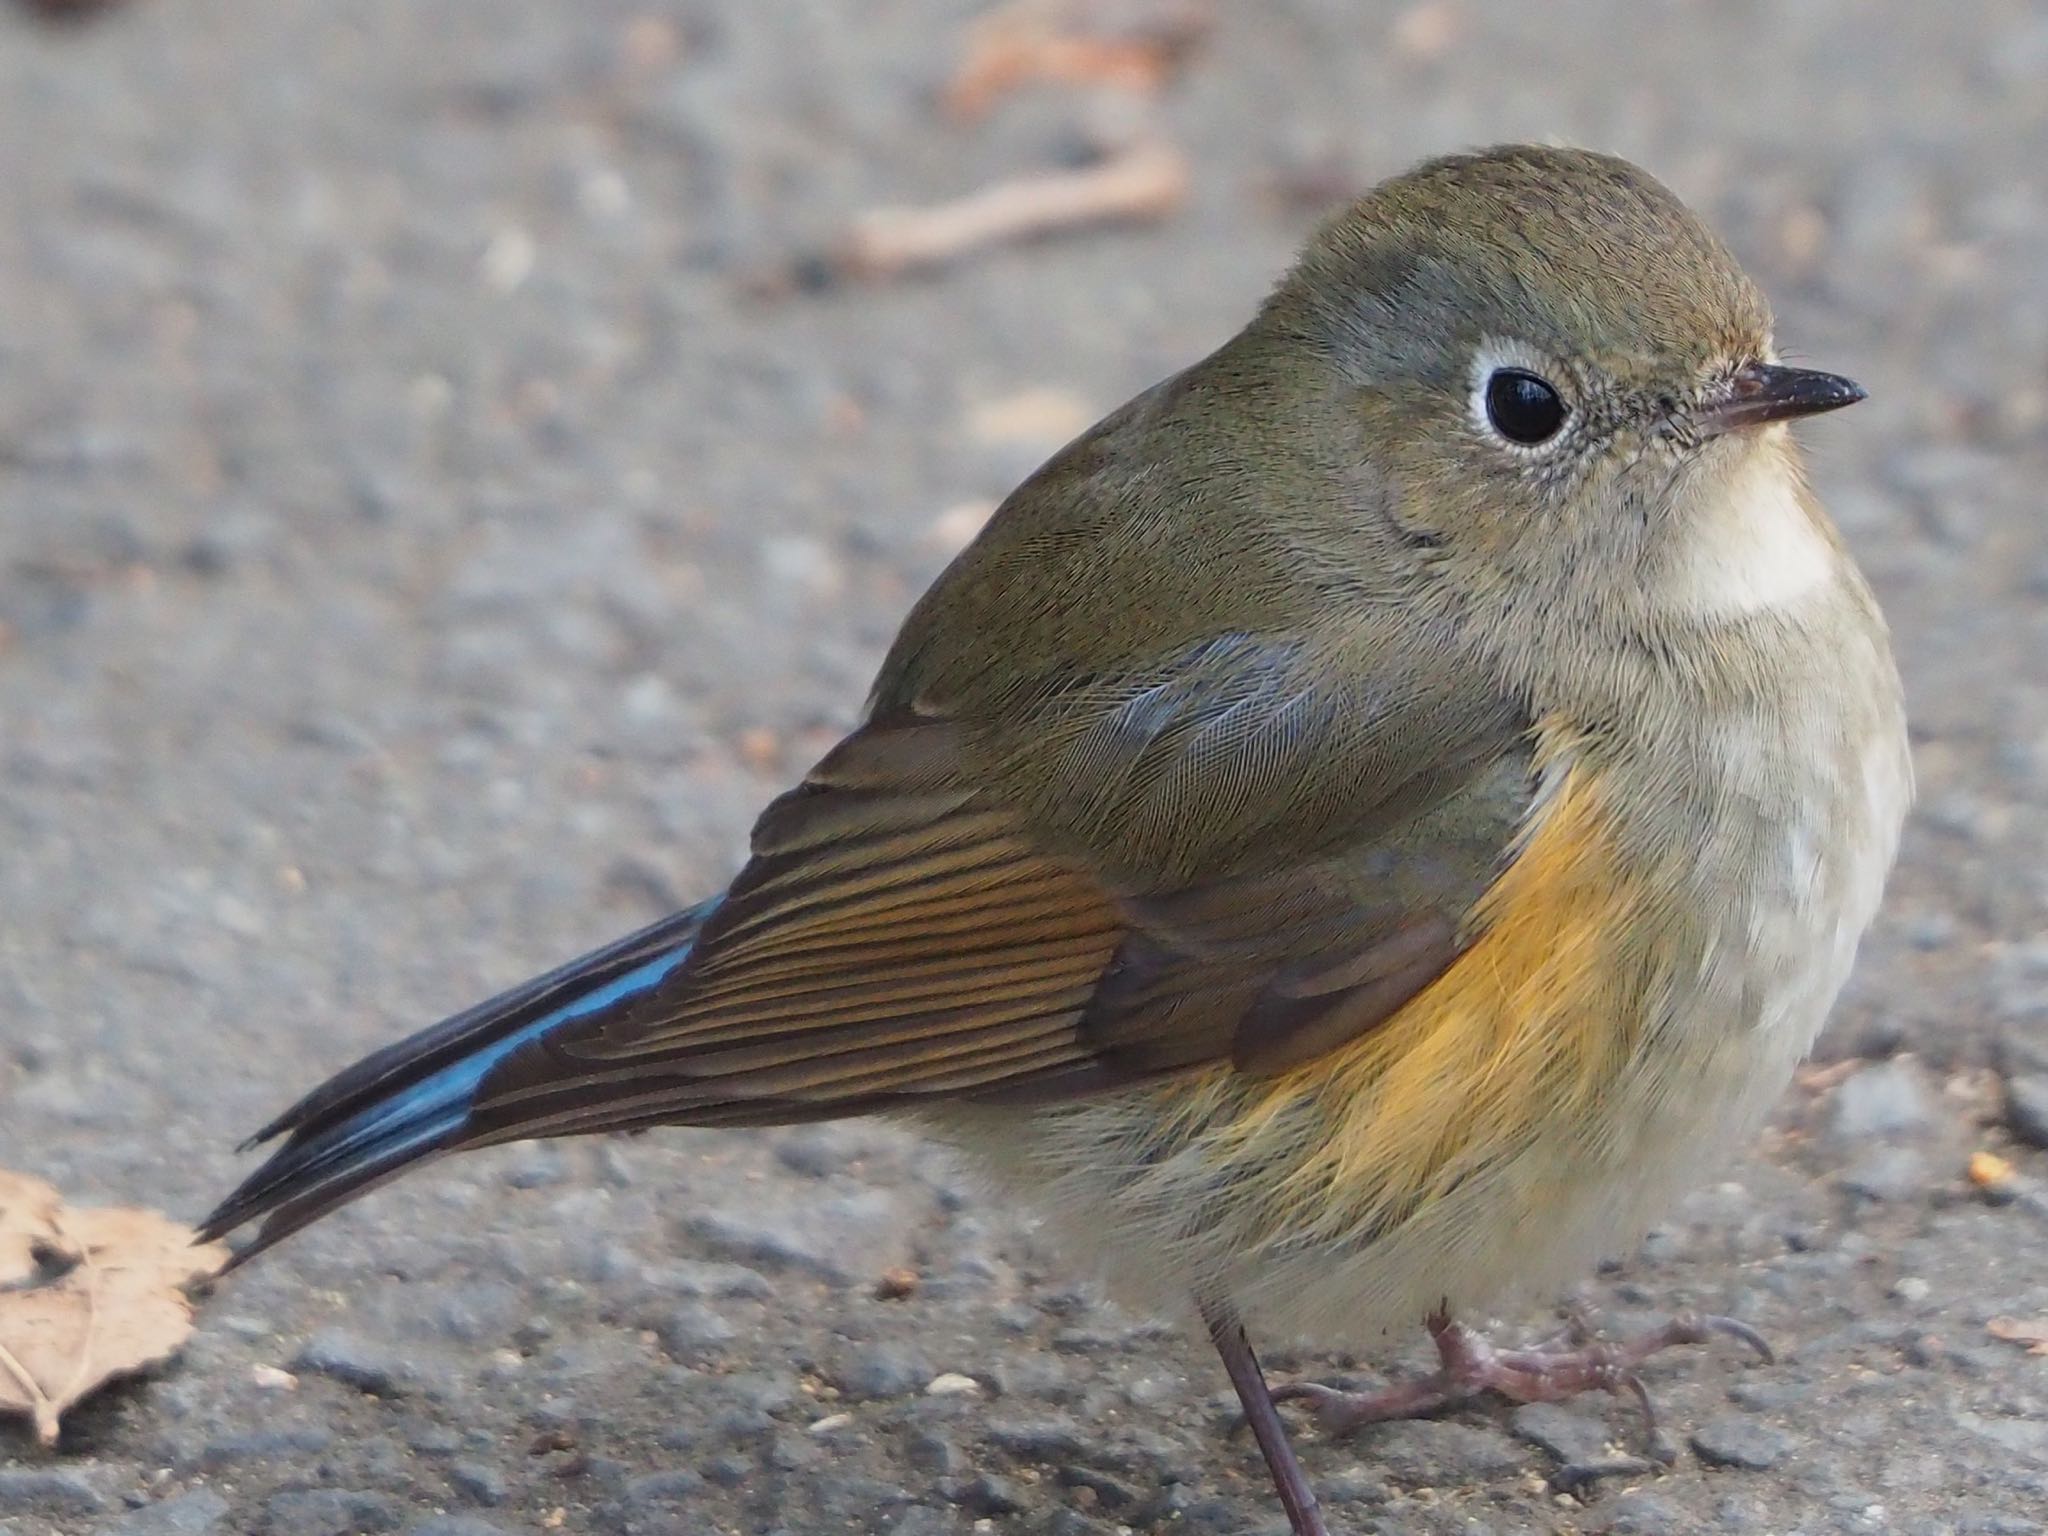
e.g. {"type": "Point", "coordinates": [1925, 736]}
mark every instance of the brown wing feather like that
{"type": "Point", "coordinates": [894, 939]}
{"type": "Point", "coordinates": [888, 939]}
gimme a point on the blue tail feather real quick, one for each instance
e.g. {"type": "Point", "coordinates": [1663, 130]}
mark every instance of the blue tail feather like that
{"type": "Point", "coordinates": [413, 1099]}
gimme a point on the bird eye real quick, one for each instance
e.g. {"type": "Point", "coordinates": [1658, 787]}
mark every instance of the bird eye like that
{"type": "Point", "coordinates": [1523, 408]}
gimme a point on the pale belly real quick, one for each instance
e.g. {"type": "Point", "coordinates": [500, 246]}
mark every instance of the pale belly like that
{"type": "Point", "coordinates": [1500, 1141]}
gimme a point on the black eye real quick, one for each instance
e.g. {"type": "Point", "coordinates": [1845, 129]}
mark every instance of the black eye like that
{"type": "Point", "coordinates": [1523, 408]}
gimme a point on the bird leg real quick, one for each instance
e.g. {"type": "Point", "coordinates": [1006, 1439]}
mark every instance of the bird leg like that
{"type": "Point", "coordinates": [1570, 1362]}
{"type": "Point", "coordinates": [1296, 1497]}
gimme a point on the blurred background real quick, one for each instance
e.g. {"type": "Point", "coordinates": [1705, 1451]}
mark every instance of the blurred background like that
{"type": "Point", "coordinates": [459, 458]}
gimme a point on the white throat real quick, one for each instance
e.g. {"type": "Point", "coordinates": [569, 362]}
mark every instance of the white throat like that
{"type": "Point", "coordinates": [1756, 546]}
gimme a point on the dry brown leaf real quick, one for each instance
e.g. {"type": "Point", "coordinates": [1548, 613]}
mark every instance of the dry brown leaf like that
{"type": "Point", "coordinates": [110, 1299]}
{"type": "Point", "coordinates": [2032, 1332]}
{"type": "Point", "coordinates": [28, 1236]}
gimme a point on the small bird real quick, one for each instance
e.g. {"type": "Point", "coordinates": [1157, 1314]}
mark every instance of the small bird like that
{"type": "Point", "coordinates": [1356, 833]}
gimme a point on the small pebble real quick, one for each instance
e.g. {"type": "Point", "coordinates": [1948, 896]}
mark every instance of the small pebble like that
{"type": "Point", "coordinates": [931, 1452]}
{"type": "Point", "coordinates": [1734, 1440]}
{"type": "Point", "coordinates": [1888, 1174]}
{"type": "Point", "coordinates": [886, 1370]}
{"type": "Point", "coordinates": [813, 1154]}
{"type": "Point", "coordinates": [191, 1513]}
{"type": "Point", "coordinates": [1887, 1099]}
{"type": "Point", "coordinates": [536, 1165]}
{"type": "Point", "coordinates": [481, 1482]}
{"type": "Point", "coordinates": [730, 1470]}
{"type": "Point", "coordinates": [2026, 1108]}
{"type": "Point", "coordinates": [48, 1490]}
{"type": "Point", "coordinates": [951, 1384]}
{"type": "Point", "coordinates": [1639, 1512]}
{"type": "Point", "coordinates": [990, 1495]}
{"type": "Point", "coordinates": [674, 1485]}
{"type": "Point", "coordinates": [331, 1512]}
{"type": "Point", "coordinates": [1110, 1492]}
{"type": "Point", "coordinates": [1040, 1439]}
{"type": "Point", "coordinates": [692, 1331]}
{"type": "Point", "coordinates": [352, 1359]}
{"type": "Point", "coordinates": [1565, 1434]}
{"type": "Point", "coordinates": [1434, 1452]}
{"type": "Point", "coordinates": [711, 1280]}
{"type": "Point", "coordinates": [265, 1445]}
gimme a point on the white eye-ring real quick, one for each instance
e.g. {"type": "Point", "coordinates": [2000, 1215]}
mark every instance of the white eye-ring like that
{"type": "Point", "coordinates": [1513, 399]}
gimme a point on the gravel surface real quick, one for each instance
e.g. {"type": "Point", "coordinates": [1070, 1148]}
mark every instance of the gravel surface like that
{"type": "Point", "coordinates": [423, 548]}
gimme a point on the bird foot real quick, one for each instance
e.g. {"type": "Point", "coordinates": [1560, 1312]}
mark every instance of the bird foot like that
{"type": "Point", "coordinates": [1568, 1363]}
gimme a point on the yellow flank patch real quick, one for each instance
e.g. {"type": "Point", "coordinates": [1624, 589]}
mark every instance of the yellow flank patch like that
{"type": "Point", "coordinates": [1525, 1032]}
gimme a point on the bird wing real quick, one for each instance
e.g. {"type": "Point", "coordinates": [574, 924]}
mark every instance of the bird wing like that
{"type": "Point", "coordinates": [1247, 852]}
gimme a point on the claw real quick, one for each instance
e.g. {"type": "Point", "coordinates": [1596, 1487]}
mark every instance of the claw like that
{"type": "Point", "coordinates": [1566, 1363]}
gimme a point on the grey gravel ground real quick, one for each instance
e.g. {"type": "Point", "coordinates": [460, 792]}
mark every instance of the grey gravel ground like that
{"type": "Point", "coordinates": [420, 555]}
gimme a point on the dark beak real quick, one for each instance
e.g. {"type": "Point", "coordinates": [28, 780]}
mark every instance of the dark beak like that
{"type": "Point", "coordinates": [1765, 392]}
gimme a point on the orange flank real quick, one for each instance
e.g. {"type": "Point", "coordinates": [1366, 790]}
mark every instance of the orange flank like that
{"type": "Point", "coordinates": [1519, 1037]}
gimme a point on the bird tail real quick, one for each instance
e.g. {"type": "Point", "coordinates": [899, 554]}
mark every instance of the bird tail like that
{"type": "Point", "coordinates": [411, 1101]}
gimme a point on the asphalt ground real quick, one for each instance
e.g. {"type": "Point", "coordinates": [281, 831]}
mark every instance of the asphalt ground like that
{"type": "Point", "coordinates": [428, 534]}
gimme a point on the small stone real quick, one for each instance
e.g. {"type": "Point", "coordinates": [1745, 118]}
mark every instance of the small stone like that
{"type": "Point", "coordinates": [811, 1153]}
{"type": "Point", "coordinates": [1887, 1173]}
{"type": "Point", "coordinates": [1032, 1378]}
{"type": "Point", "coordinates": [481, 1482]}
{"type": "Point", "coordinates": [355, 1361]}
{"type": "Point", "coordinates": [692, 1331]}
{"type": "Point", "coordinates": [1887, 1099]}
{"type": "Point", "coordinates": [48, 1490]}
{"type": "Point", "coordinates": [951, 1384]}
{"type": "Point", "coordinates": [1763, 1393]}
{"type": "Point", "coordinates": [859, 1234]}
{"type": "Point", "coordinates": [760, 1392]}
{"type": "Point", "coordinates": [931, 1452]}
{"type": "Point", "coordinates": [1046, 1439]}
{"type": "Point", "coordinates": [2026, 1437]}
{"type": "Point", "coordinates": [1110, 1492]}
{"type": "Point", "coordinates": [675, 1485]}
{"type": "Point", "coordinates": [269, 1378]}
{"type": "Point", "coordinates": [2022, 1047]}
{"type": "Point", "coordinates": [536, 1165]}
{"type": "Point", "coordinates": [922, 1520]}
{"type": "Point", "coordinates": [887, 1370]}
{"type": "Point", "coordinates": [731, 1470]}
{"type": "Point", "coordinates": [1575, 1477]}
{"type": "Point", "coordinates": [1098, 1341]}
{"type": "Point", "coordinates": [433, 1440]}
{"type": "Point", "coordinates": [331, 1512]}
{"type": "Point", "coordinates": [1569, 1436]}
{"type": "Point", "coordinates": [832, 1423]}
{"type": "Point", "coordinates": [1734, 1440]}
{"type": "Point", "coordinates": [710, 1280]}
{"type": "Point", "coordinates": [990, 1495]}
{"type": "Point", "coordinates": [184, 1514]}
{"type": "Point", "coordinates": [1433, 1452]}
{"type": "Point", "coordinates": [1911, 1289]}
{"type": "Point", "coordinates": [2026, 1108]}
{"type": "Point", "coordinates": [1638, 1512]}
{"type": "Point", "coordinates": [285, 1445]}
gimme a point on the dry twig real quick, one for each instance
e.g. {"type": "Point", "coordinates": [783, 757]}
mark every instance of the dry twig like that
{"type": "Point", "coordinates": [1147, 181]}
{"type": "Point", "coordinates": [1133, 46]}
